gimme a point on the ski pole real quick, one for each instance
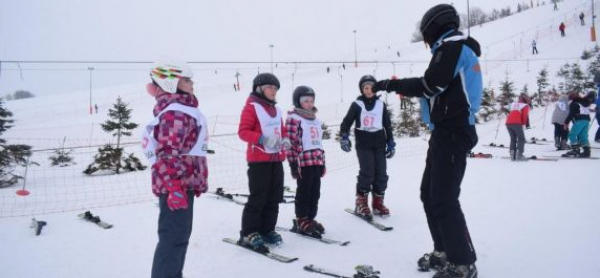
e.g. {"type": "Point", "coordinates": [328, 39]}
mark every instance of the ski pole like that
{"type": "Point", "coordinates": [498, 127]}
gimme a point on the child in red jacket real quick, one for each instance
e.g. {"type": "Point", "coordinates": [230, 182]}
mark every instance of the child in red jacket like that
{"type": "Point", "coordinates": [516, 119]}
{"type": "Point", "coordinates": [175, 143]}
{"type": "Point", "coordinates": [307, 159]}
{"type": "Point", "coordinates": [261, 126]}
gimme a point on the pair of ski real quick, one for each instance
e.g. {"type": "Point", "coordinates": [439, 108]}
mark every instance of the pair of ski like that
{"type": "Point", "coordinates": [220, 193]}
{"type": "Point", "coordinates": [533, 157]}
{"type": "Point", "coordinates": [282, 258]}
{"type": "Point", "coordinates": [270, 254]}
{"type": "Point", "coordinates": [362, 271]}
{"type": "Point", "coordinates": [88, 216]}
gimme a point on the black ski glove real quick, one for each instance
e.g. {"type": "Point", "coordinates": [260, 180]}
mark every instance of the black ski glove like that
{"type": "Point", "coordinates": [380, 85]}
{"type": "Point", "coordinates": [388, 85]}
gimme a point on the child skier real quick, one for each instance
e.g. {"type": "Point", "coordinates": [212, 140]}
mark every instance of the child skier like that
{"type": "Point", "coordinates": [374, 143]}
{"type": "Point", "coordinates": [579, 113]}
{"type": "Point", "coordinates": [175, 142]}
{"type": "Point", "coordinates": [560, 114]}
{"type": "Point", "coordinates": [517, 117]}
{"type": "Point", "coordinates": [307, 159]}
{"type": "Point", "coordinates": [261, 126]}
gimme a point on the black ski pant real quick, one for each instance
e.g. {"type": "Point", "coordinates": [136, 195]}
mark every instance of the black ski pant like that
{"type": "Point", "coordinates": [308, 191]}
{"type": "Point", "coordinates": [597, 122]}
{"type": "Point", "coordinates": [517, 137]}
{"type": "Point", "coordinates": [560, 132]}
{"type": "Point", "coordinates": [373, 173]}
{"type": "Point", "coordinates": [265, 181]}
{"type": "Point", "coordinates": [174, 230]}
{"type": "Point", "coordinates": [440, 189]}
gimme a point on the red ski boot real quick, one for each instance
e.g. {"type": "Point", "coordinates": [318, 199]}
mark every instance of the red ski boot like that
{"type": "Point", "coordinates": [378, 207]}
{"type": "Point", "coordinates": [362, 205]}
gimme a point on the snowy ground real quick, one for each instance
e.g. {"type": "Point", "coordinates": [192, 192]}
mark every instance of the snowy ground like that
{"type": "Point", "coordinates": [530, 219]}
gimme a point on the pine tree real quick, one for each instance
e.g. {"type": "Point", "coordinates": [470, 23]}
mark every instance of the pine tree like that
{"type": "Point", "coordinates": [542, 83]}
{"type": "Point", "coordinates": [62, 157]}
{"type": "Point", "coordinates": [488, 105]}
{"type": "Point", "coordinates": [574, 79]}
{"type": "Point", "coordinates": [507, 89]}
{"type": "Point", "coordinates": [11, 156]}
{"type": "Point", "coordinates": [109, 158]}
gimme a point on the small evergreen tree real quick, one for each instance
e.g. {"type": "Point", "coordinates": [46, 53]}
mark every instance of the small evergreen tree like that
{"type": "Point", "coordinates": [62, 157]}
{"type": "Point", "coordinates": [488, 105]}
{"type": "Point", "coordinates": [11, 156]}
{"type": "Point", "coordinates": [407, 124]}
{"type": "Point", "coordinates": [109, 158]}
{"type": "Point", "coordinates": [542, 83]}
{"type": "Point", "coordinates": [507, 89]}
{"type": "Point", "coordinates": [574, 79]}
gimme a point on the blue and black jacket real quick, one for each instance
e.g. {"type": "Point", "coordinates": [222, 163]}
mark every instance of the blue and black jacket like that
{"type": "Point", "coordinates": [452, 87]}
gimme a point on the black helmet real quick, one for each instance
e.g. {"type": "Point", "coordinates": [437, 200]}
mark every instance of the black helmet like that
{"type": "Point", "coordinates": [301, 91]}
{"type": "Point", "coordinates": [265, 79]}
{"type": "Point", "coordinates": [435, 19]}
{"type": "Point", "coordinates": [591, 96]}
{"type": "Point", "coordinates": [365, 79]}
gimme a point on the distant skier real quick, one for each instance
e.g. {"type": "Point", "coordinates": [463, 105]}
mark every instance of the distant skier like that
{"type": "Point", "coordinates": [582, 18]}
{"type": "Point", "coordinates": [560, 114]}
{"type": "Point", "coordinates": [534, 47]}
{"type": "Point", "coordinates": [579, 114]}
{"type": "Point", "coordinates": [450, 91]}
{"type": "Point", "coordinates": [516, 119]}
{"type": "Point", "coordinates": [307, 159]}
{"type": "Point", "coordinates": [261, 127]}
{"type": "Point", "coordinates": [374, 143]}
{"type": "Point", "coordinates": [562, 28]}
{"type": "Point", "coordinates": [180, 170]}
{"type": "Point", "coordinates": [555, 4]}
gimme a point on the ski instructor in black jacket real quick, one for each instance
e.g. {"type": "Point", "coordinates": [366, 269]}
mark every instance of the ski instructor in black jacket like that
{"type": "Point", "coordinates": [450, 92]}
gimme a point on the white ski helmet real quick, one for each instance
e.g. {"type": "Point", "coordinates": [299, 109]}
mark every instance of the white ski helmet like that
{"type": "Point", "coordinates": [167, 75]}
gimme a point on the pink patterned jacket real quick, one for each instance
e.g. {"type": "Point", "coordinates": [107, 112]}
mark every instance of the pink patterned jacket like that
{"type": "Point", "coordinates": [176, 134]}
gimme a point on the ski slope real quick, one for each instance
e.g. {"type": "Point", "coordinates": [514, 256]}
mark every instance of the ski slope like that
{"type": "Point", "coordinates": [529, 219]}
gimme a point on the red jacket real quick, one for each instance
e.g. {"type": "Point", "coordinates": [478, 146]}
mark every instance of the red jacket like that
{"type": "Point", "coordinates": [249, 131]}
{"type": "Point", "coordinates": [517, 116]}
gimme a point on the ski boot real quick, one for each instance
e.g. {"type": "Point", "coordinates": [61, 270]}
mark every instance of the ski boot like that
{"type": "Point", "coordinates": [362, 205]}
{"type": "Point", "coordinates": [306, 227]}
{"type": "Point", "coordinates": [586, 152]}
{"type": "Point", "coordinates": [378, 207]}
{"type": "Point", "coordinates": [272, 238]}
{"type": "Point", "coordinates": [574, 152]}
{"type": "Point", "coordinates": [520, 156]}
{"type": "Point", "coordinates": [435, 260]}
{"type": "Point", "coordinates": [365, 271]}
{"type": "Point", "coordinates": [319, 227]}
{"type": "Point", "coordinates": [457, 271]}
{"type": "Point", "coordinates": [254, 241]}
{"type": "Point", "coordinates": [557, 143]}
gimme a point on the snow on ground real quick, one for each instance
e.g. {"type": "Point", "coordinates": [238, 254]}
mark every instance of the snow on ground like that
{"type": "Point", "coordinates": [529, 219]}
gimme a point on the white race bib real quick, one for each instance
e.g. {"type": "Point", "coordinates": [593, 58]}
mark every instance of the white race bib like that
{"type": "Point", "coordinates": [584, 110]}
{"type": "Point", "coordinates": [516, 106]}
{"type": "Point", "coordinates": [149, 143]}
{"type": "Point", "coordinates": [270, 126]}
{"type": "Point", "coordinates": [312, 133]}
{"type": "Point", "coordinates": [371, 121]}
